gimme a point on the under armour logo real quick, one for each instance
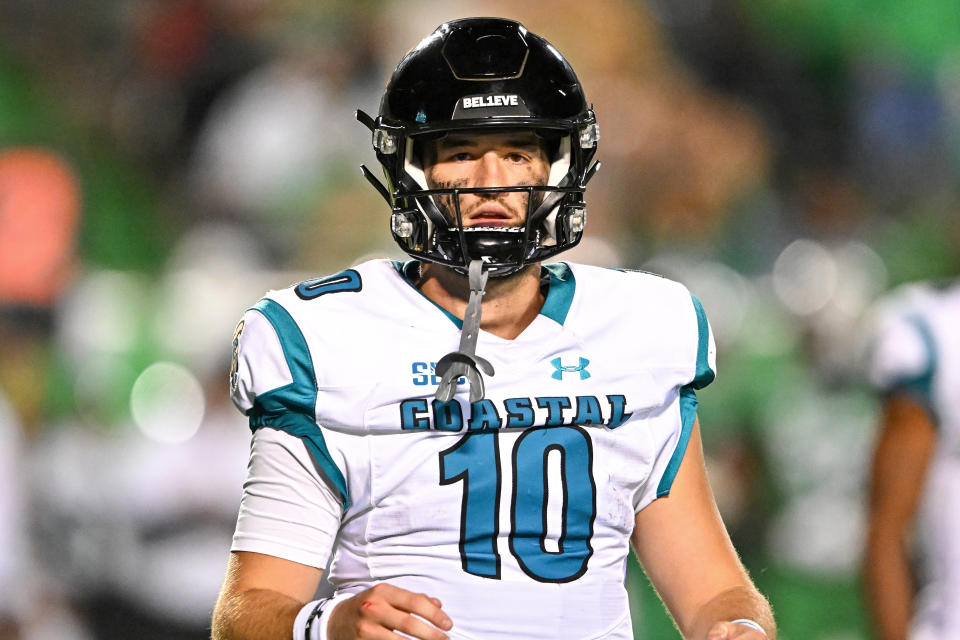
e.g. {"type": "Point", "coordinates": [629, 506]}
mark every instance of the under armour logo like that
{"type": "Point", "coordinates": [560, 369]}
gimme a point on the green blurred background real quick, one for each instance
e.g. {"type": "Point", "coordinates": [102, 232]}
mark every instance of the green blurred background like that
{"type": "Point", "coordinates": [789, 160]}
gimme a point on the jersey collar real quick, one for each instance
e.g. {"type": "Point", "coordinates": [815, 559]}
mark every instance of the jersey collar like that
{"type": "Point", "coordinates": [556, 277]}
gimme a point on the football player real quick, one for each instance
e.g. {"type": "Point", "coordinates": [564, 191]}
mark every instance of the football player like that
{"type": "Point", "coordinates": [915, 484]}
{"type": "Point", "coordinates": [476, 436]}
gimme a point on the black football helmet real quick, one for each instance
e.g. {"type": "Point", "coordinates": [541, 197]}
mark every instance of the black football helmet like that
{"type": "Point", "coordinates": [483, 74]}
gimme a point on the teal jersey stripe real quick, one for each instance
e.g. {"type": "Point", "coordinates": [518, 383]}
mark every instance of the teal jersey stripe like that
{"type": "Point", "coordinates": [688, 414]}
{"type": "Point", "coordinates": [704, 374]}
{"type": "Point", "coordinates": [292, 407]}
{"type": "Point", "coordinates": [294, 346]}
{"type": "Point", "coordinates": [920, 387]}
{"type": "Point", "coordinates": [559, 294]}
{"type": "Point", "coordinates": [923, 383]}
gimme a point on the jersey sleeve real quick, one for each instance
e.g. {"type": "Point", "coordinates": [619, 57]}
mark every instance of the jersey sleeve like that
{"type": "Point", "coordinates": [670, 432]}
{"type": "Point", "coordinates": [903, 357]}
{"type": "Point", "coordinates": [287, 510]}
{"type": "Point", "coordinates": [705, 368]}
{"type": "Point", "coordinates": [258, 365]}
{"type": "Point", "coordinates": [273, 382]}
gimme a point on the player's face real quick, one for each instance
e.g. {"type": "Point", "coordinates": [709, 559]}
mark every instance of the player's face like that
{"type": "Point", "coordinates": [502, 159]}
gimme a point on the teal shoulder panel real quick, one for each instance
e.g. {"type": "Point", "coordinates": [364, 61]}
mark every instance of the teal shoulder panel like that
{"type": "Point", "coordinates": [292, 407]}
{"type": "Point", "coordinates": [292, 342]}
{"type": "Point", "coordinates": [920, 387]}
{"type": "Point", "coordinates": [704, 374]}
{"type": "Point", "coordinates": [923, 383]}
{"type": "Point", "coordinates": [688, 414]}
{"type": "Point", "coordinates": [560, 294]}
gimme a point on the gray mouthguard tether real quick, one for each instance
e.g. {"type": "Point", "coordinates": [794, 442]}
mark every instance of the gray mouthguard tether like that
{"type": "Point", "coordinates": [465, 361]}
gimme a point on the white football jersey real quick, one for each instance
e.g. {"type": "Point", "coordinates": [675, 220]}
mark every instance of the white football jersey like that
{"type": "Point", "coordinates": [918, 352]}
{"type": "Point", "coordinates": [516, 510]}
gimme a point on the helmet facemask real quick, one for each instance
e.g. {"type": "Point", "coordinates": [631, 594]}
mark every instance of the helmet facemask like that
{"type": "Point", "coordinates": [427, 222]}
{"type": "Point", "coordinates": [503, 249]}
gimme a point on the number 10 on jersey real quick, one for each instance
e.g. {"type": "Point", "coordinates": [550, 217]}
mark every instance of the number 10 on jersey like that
{"type": "Point", "coordinates": [475, 462]}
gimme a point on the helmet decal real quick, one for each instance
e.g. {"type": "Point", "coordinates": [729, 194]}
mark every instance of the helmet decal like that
{"type": "Point", "coordinates": [489, 105]}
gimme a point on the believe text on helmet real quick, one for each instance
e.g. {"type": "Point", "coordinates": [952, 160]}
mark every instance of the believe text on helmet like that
{"type": "Point", "coordinates": [473, 102]}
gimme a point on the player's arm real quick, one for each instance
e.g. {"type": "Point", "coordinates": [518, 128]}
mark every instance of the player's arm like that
{"type": "Point", "coordinates": [261, 597]}
{"type": "Point", "coordinates": [900, 462]}
{"type": "Point", "coordinates": [290, 513]}
{"type": "Point", "coordinates": [284, 501]}
{"type": "Point", "coordinates": [289, 509]}
{"type": "Point", "coordinates": [684, 548]}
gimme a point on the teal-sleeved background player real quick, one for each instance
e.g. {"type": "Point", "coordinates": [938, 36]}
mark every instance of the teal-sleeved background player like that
{"type": "Point", "coordinates": [913, 555]}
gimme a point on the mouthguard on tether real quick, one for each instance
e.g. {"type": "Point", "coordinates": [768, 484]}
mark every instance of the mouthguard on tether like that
{"type": "Point", "coordinates": [465, 361]}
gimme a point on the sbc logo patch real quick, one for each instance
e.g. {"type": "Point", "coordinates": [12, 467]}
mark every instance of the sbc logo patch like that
{"type": "Point", "coordinates": [424, 373]}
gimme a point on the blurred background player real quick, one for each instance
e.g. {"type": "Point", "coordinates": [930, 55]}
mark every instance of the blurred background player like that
{"type": "Point", "coordinates": [913, 549]}
{"type": "Point", "coordinates": [39, 215]}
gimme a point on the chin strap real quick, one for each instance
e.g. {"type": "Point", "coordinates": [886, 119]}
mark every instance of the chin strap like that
{"type": "Point", "coordinates": [465, 361]}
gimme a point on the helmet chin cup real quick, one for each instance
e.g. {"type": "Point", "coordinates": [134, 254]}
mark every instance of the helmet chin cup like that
{"type": "Point", "coordinates": [501, 250]}
{"type": "Point", "coordinates": [495, 246]}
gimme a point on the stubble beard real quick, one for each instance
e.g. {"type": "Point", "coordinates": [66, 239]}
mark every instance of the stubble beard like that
{"type": "Point", "coordinates": [447, 205]}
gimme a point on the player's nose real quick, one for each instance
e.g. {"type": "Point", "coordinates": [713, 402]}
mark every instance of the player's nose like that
{"type": "Point", "coordinates": [490, 170]}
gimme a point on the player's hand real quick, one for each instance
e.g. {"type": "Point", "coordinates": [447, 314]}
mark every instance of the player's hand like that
{"type": "Point", "coordinates": [376, 613]}
{"type": "Point", "coordinates": [731, 631]}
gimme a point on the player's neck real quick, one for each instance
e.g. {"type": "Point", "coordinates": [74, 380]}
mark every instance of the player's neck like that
{"type": "Point", "coordinates": [509, 304]}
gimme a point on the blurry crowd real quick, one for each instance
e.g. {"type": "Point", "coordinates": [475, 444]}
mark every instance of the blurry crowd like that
{"type": "Point", "coordinates": [164, 162]}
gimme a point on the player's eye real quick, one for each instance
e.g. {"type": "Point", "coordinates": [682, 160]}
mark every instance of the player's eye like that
{"type": "Point", "coordinates": [456, 156]}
